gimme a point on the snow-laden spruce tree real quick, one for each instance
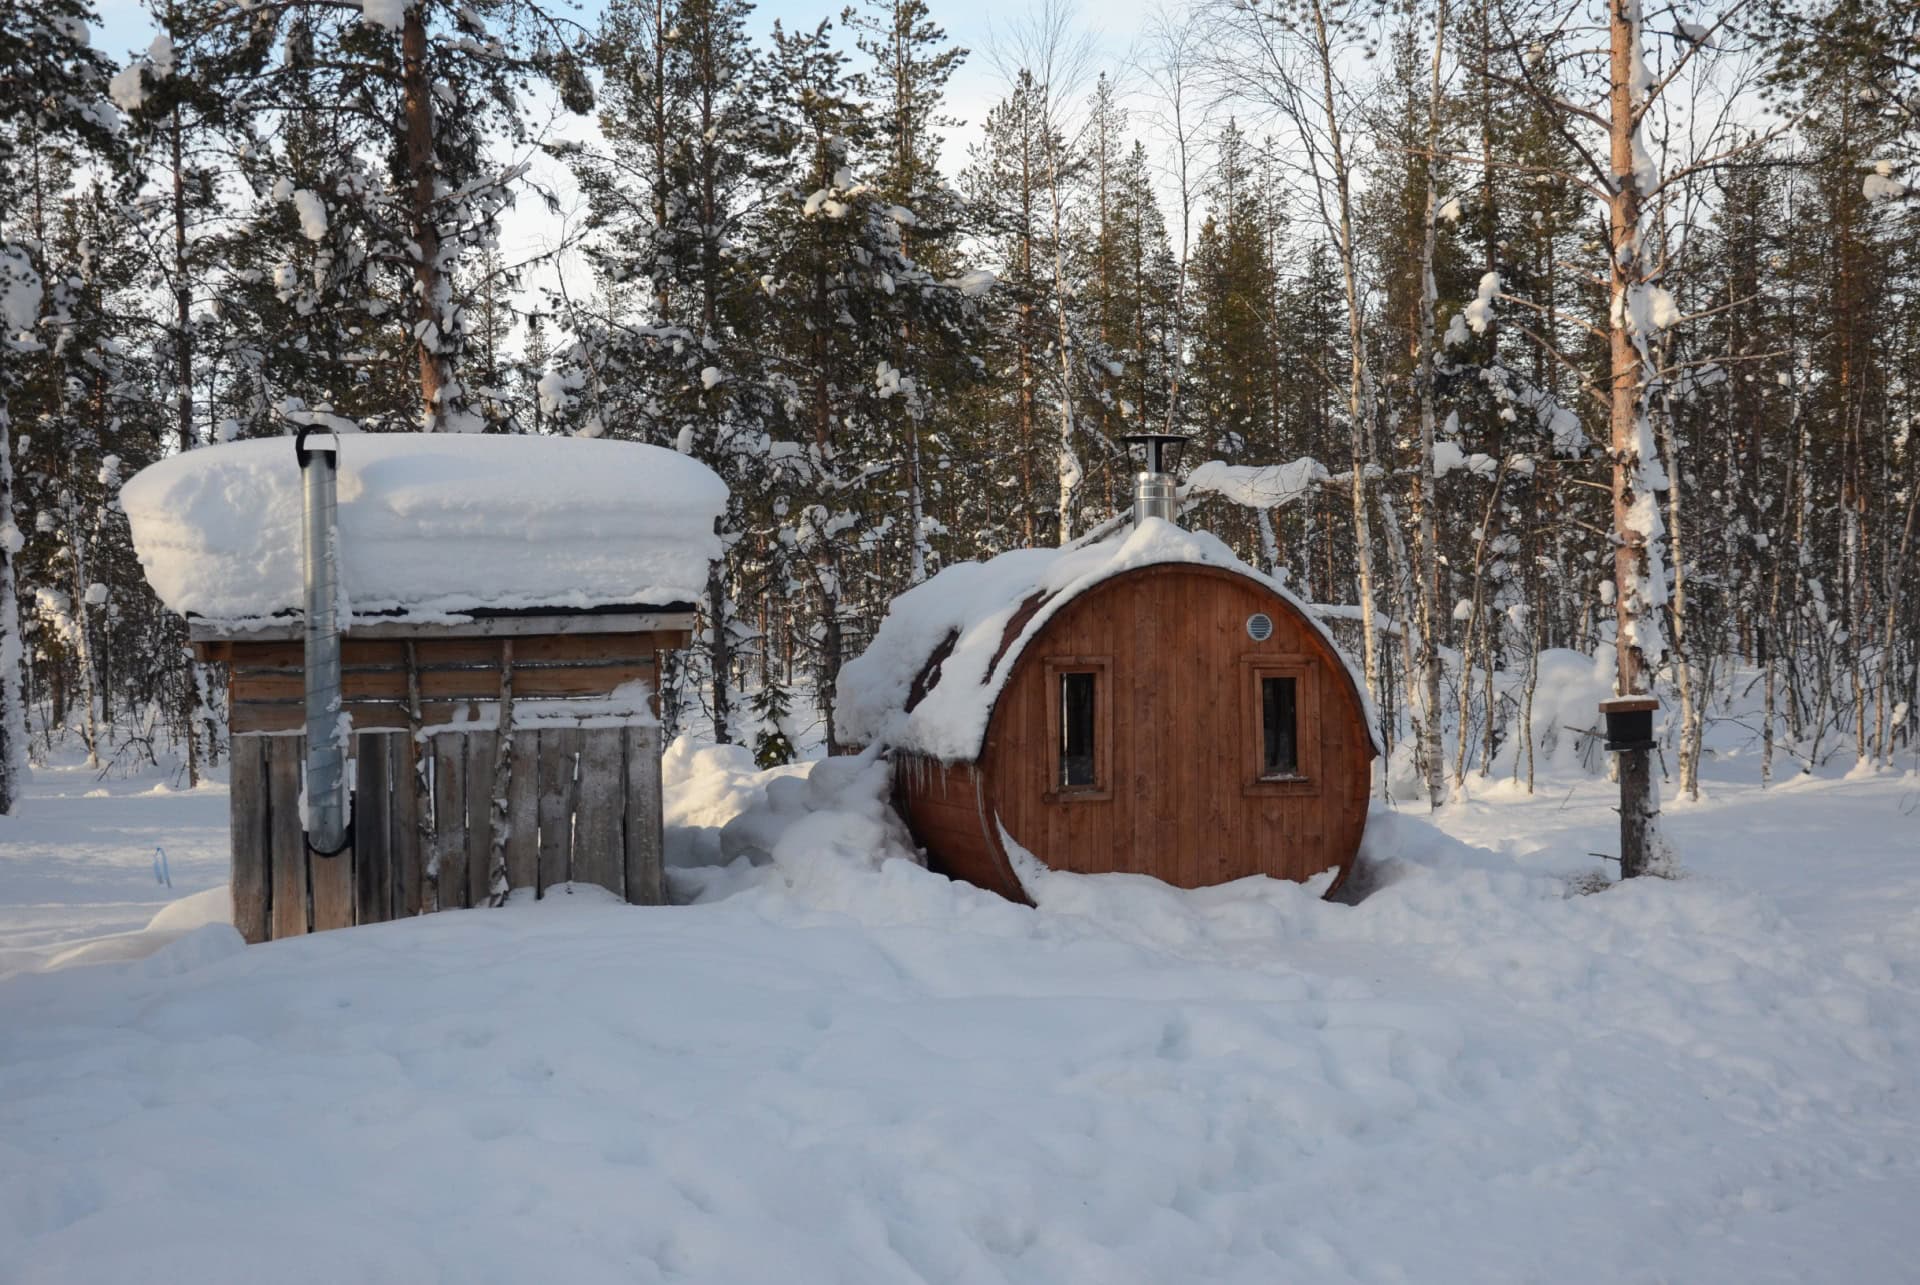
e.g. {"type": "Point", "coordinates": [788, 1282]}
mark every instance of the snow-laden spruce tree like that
{"type": "Point", "coordinates": [839, 285]}
{"type": "Point", "coordinates": [52, 96]}
{"type": "Point", "coordinates": [386, 138]}
{"type": "Point", "coordinates": [672, 351]}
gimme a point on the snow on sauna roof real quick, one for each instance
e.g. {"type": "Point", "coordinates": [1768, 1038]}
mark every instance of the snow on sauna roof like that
{"type": "Point", "coordinates": [431, 525]}
{"type": "Point", "coordinates": [975, 603]}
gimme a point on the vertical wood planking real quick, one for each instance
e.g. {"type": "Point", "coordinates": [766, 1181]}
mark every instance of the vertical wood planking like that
{"type": "Point", "coordinates": [372, 829]}
{"type": "Point", "coordinates": [286, 842]}
{"type": "Point", "coordinates": [409, 861]}
{"type": "Point", "coordinates": [480, 751]}
{"type": "Point", "coordinates": [645, 865]}
{"type": "Point", "coordinates": [598, 850]}
{"type": "Point", "coordinates": [447, 866]}
{"type": "Point", "coordinates": [523, 811]}
{"type": "Point", "coordinates": [1184, 807]}
{"type": "Point", "coordinates": [247, 806]}
{"type": "Point", "coordinates": [557, 749]}
{"type": "Point", "coordinates": [332, 882]}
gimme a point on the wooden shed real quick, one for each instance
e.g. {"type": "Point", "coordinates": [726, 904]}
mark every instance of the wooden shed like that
{"type": "Point", "coordinates": [510, 601]}
{"type": "Point", "coordinates": [1149, 705]}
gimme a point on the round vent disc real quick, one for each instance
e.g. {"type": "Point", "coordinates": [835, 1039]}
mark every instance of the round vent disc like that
{"type": "Point", "coordinates": [1259, 626]}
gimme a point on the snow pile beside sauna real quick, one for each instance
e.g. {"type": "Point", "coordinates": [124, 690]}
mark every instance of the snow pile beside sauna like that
{"type": "Point", "coordinates": [975, 602]}
{"type": "Point", "coordinates": [431, 525]}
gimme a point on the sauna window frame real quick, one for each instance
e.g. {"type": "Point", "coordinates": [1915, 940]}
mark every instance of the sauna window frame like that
{"type": "Point", "coordinates": [1305, 779]}
{"type": "Point", "coordinates": [1057, 669]}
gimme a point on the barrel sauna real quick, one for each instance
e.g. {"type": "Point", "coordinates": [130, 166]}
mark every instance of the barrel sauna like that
{"type": "Point", "coordinates": [1150, 706]}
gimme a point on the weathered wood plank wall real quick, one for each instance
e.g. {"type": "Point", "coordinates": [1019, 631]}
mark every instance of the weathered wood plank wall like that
{"type": "Point", "coordinates": [583, 804]}
{"type": "Point", "coordinates": [266, 684]}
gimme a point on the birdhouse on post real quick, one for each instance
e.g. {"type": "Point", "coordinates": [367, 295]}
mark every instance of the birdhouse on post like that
{"type": "Point", "coordinates": [1629, 722]}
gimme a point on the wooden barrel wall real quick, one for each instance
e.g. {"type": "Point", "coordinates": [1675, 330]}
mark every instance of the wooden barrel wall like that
{"type": "Point", "coordinates": [583, 806]}
{"type": "Point", "coordinates": [1181, 797]}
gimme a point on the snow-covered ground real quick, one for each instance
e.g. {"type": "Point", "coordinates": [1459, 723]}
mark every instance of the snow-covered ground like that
{"type": "Point", "coordinates": [836, 1067]}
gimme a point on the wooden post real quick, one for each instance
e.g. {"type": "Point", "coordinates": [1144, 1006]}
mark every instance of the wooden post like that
{"type": "Point", "coordinates": [1629, 721]}
{"type": "Point", "coordinates": [646, 870]}
{"type": "Point", "coordinates": [286, 841]}
{"type": "Point", "coordinates": [481, 752]}
{"type": "Point", "coordinates": [1636, 812]}
{"type": "Point", "coordinates": [332, 881]}
{"type": "Point", "coordinates": [447, 866]}
{"type": "Point", "coordinates": [500, 787]}
{"type": "Point", "coordinates": [424, 894]}
{"type": "Point", "coordinates": [372, 836]}
{"type": "Point", "coordinates": [408, 857]}
{"type": "Point", "coordinates": [599, 813]}
{"type": "Point", "coordinates": [247, 813]}
{"type": "Point", "coordinates": [557, 749]}
{"type": "Point", "coordinates": [523, 811]}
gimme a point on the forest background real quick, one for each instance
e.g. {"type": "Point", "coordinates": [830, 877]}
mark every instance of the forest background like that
{"type": "Point", "coordinates": [1502, 329]}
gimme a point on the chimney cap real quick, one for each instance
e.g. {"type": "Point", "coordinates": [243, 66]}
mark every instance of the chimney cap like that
{"type": "Point", "coordinates": [1144, 439]}
{"type": "Point", "coordinates": [1158, 451]}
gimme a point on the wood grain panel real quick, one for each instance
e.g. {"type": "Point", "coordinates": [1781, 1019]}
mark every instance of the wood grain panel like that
{"type": "Point", "coordinates": [481, 747]}
{"type": "Point", "coordinates": [373, 828]}
{"type": "Point", "coordinates": [523, 811]}
{"type": "Point", "coordinates": [251, 879]}
{"type": "Point", "coordinates": [272, 687]}
{"type": "Point", "coordinates": [448, 862]}
{"type": "Point", "coordinates": [1184, 807]}
{"type": "Point", "coordinates": [410, 854]}
{"type": "Point", "coordinates": [599, 852]}
{"type": "Point", "coordinates": [286, 840]}
{"type": "Point", "coordinates": [945, 815]}
{"type": "Point", "coordinates": [646, 866]}
{"type": "Point", "coordinates": [558, 748]}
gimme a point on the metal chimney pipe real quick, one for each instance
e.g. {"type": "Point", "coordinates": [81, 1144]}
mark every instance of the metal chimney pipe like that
{"type": "Point", "coordinates": [328, 828]}
{"type": "Point", "coordinates": [1155, 494]}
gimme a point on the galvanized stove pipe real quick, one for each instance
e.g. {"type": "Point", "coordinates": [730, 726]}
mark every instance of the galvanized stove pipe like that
{"type": "Point", "coordinates": [329, 829]}
{"type": "Point", "coordinates": [1155, 493]}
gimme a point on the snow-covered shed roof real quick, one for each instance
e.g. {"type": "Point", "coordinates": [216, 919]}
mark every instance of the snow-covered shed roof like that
{"type": "Point", "coordinates": [432, 525]}
{"type": "Point", "coordinates": [895, 695]}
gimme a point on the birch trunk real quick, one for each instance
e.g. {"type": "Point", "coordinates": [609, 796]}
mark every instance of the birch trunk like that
{"type": "Point", "coordinates": [1426, 662]}
{"type": "Point", "coordinates": [1638, 575]}
{"type": "Point", "coordinates": [1360, 399]}
{"type": "Point", "coordinates": [1067, 463]}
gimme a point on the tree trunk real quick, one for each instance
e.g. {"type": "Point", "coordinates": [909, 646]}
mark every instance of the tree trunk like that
{"type": "Point", "coordinates": [1360, 400]}
{"type": "Point", "coordinates": [13, 707]}
{"type": "Point", "coordinates": [1426, 711]}
{"type": "Point", "coordinates": [1636, 517]}
{"type": "Point", "coordinates": [441, 403]}
{"type": "Point", "coordinates": [719, 644]}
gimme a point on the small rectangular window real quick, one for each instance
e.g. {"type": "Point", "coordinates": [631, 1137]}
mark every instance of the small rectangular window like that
{"type": "Point", "coordinates": [1077, 766]}
{"type": "Point", "coordinates": [1279, 728]}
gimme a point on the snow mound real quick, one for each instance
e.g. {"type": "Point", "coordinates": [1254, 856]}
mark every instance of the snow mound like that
{"type": "Point", "coordinates": [431, 525]}
{"type": "Point", "coordinates": [971, 604]}
{"type": "Point", "coordinates": [182, 935]}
